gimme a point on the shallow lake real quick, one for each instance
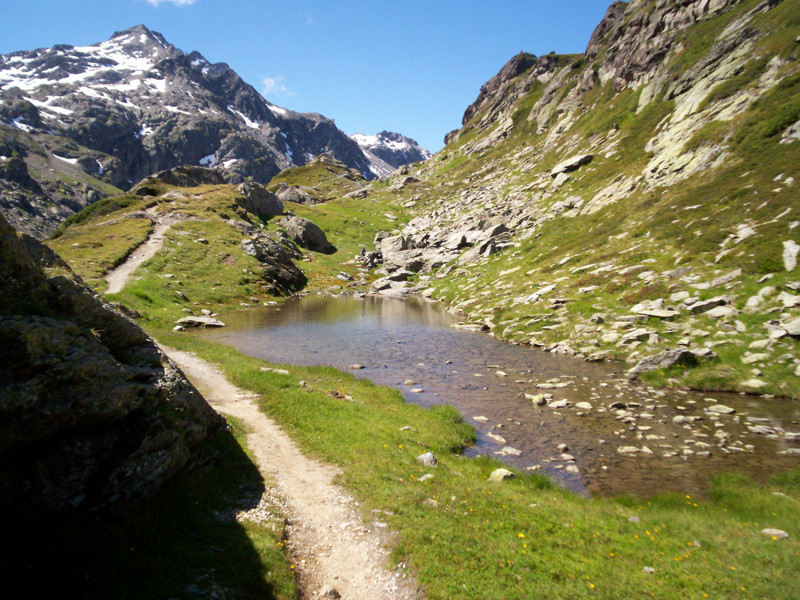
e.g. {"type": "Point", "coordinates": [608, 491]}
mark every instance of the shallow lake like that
{"type": "Point", "coordinates": [649, 441]}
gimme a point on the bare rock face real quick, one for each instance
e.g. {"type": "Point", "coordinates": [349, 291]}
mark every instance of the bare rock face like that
{"type": "Point", "coordinates": [512, 69]}
{"type": "Point", "coordinates": [91, 411]}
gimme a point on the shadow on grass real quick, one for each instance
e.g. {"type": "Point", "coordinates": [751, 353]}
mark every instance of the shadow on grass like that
{"type": "Point", "coordinates": [183, 543]}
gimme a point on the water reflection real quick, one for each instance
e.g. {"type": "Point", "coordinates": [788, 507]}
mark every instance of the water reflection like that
{"type": "Point", "coordinates": [612, 436]}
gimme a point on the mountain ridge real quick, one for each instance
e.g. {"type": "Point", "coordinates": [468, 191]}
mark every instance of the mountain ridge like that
{"type": "Point", "coordinates": [117, 111]}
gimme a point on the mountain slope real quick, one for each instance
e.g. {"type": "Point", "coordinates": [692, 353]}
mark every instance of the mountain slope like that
{"type": "Point", "coordinates": [634, 201]}
{"type": "Point", "coordinates": [83, 119]}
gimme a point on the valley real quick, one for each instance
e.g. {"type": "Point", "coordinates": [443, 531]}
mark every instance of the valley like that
{"type": "Point", "coordinates": [557, 358]}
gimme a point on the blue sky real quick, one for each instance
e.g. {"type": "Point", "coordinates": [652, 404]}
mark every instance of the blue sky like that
{"type": "Point", "coordinates": [411, 67]}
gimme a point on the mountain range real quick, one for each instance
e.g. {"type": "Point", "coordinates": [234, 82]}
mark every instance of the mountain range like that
{"type": "Point", "coordinates": [80, 123]}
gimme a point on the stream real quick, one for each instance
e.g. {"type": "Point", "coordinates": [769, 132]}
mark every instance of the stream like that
{"type": "Point", "coordinates": [597, 433]}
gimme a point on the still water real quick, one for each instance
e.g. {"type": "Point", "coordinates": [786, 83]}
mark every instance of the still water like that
{"type": "Point", "coordinates": [649, 441]}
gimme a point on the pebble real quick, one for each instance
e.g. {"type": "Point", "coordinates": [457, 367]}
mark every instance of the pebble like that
{"type": "Point", "coordinates": [329, 591]}
{"type": "Point", "coordinates": [427, 459]}
{"type": "Point", "coordinates": [508, 451]}
{"type": "Point", "coordinates": [778, 534]}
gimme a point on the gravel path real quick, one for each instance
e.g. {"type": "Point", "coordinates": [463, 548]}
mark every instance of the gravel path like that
{"type": "Point", "coordinates": [334, 550]}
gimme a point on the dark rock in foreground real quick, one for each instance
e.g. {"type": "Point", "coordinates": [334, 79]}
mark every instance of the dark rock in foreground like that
{"type": "Point", "coordinates": [91, 411]}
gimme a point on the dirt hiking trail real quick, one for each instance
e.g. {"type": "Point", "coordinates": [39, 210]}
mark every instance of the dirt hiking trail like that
{"type": "Point", "coordinates": [118, 277]}
{"type": "Point", "coordinates": [335, 553]}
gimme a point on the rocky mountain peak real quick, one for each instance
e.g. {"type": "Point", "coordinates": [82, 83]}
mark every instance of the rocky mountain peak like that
{"type": "Point", "coordinates": [388, 150]}
{"type": "Point", "coordinates": [115, 112]}
{"type": "Point", "coordinates": [513, 68]}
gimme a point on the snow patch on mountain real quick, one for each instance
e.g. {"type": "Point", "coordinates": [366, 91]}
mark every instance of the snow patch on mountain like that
{"type": "Point", "coordinates": [387, 151]}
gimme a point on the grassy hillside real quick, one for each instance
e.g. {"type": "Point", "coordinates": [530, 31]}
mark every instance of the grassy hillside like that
{"type": "Point", "coordinates": [687, 197]}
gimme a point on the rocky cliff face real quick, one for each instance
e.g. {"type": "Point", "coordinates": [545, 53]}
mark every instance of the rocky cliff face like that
{"type": "Point", "coordinates": [388, 151]}
{"type": "Point", "coordinates": [91, 121]}
{"type": "Point", "coordinates": [93, 412]}
{"type": "Point", "coordinates": [596, 204]}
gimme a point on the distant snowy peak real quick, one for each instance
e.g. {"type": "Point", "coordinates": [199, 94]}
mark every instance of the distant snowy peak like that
{"type": "Point", "coordinates": [138, 98]}
{"type": "Point", "coordinates": [387, 151]}
{"type": "Point", "coordinates": [128, 54]}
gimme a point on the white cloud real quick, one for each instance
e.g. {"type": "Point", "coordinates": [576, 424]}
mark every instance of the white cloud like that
{"type": "Point", "coordinates": [176, 2]}
{"type": "Point", "coordinates": [274, 86]}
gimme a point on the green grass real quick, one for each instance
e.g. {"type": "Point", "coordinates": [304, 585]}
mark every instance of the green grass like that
{"type": "Point", "coordinates": [98, 209]}
{"type": "Point", "coordinates": [327, 181]}
{"type": "Point", "coordinates": [349, 225]}
{"type": "Point", "coordinates": [96, 248]}
{"type": "Point", "coordinates": [171, 546]}
{"type": "Point", "coordinates": [209, 275]}
{"type": "Point", "coordinates": [525, 537]}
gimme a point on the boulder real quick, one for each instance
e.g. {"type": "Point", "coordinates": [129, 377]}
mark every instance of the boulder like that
{"type": "Point", "coordinates": [290, 193]}
{"type": "Point", "coordinates": [275, 251]}
{"type": "Point", "coordinates": [94, 413]}
{"type": "Point", "coordinates": [201, 321]}
{"type": "Point", "coordinates": [427, 459]}
{"type": "Point", "coordinates": [790, 249]}
{"type": "Point", "coordinates": [706, 305]}
{"type": "Point", "coordinates": [307, 234]}
{"type": "Point", "coordinates": [571, 164]}
{"type": "Point", "coordinates": [501, 474]}
{"type": "Point", "coordinates": [665, 359]}
{"type": "Point", "coordinates": [257, 200]}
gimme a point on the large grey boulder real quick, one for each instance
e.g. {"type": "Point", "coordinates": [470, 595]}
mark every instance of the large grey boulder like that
{"type": "Point", "coordinates": [256, 199]}
{"type": "Point", "coordinates": [290, 193]}
{"type": "Point", "coordinates": [307, 234]}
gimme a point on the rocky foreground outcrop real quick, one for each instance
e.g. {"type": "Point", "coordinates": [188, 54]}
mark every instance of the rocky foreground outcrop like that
{"type": "Point", "coordinates": [91, 411]}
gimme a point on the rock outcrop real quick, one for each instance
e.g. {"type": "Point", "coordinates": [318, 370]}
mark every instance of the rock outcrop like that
{"type": "Point", "coordinates": [93, 413]}
{"type": "Point", "coordinates": [276, 252]}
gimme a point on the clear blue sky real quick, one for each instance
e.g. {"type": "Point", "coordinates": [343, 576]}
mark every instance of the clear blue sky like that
{"type": "Point", "coordinates": [409, 66]}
